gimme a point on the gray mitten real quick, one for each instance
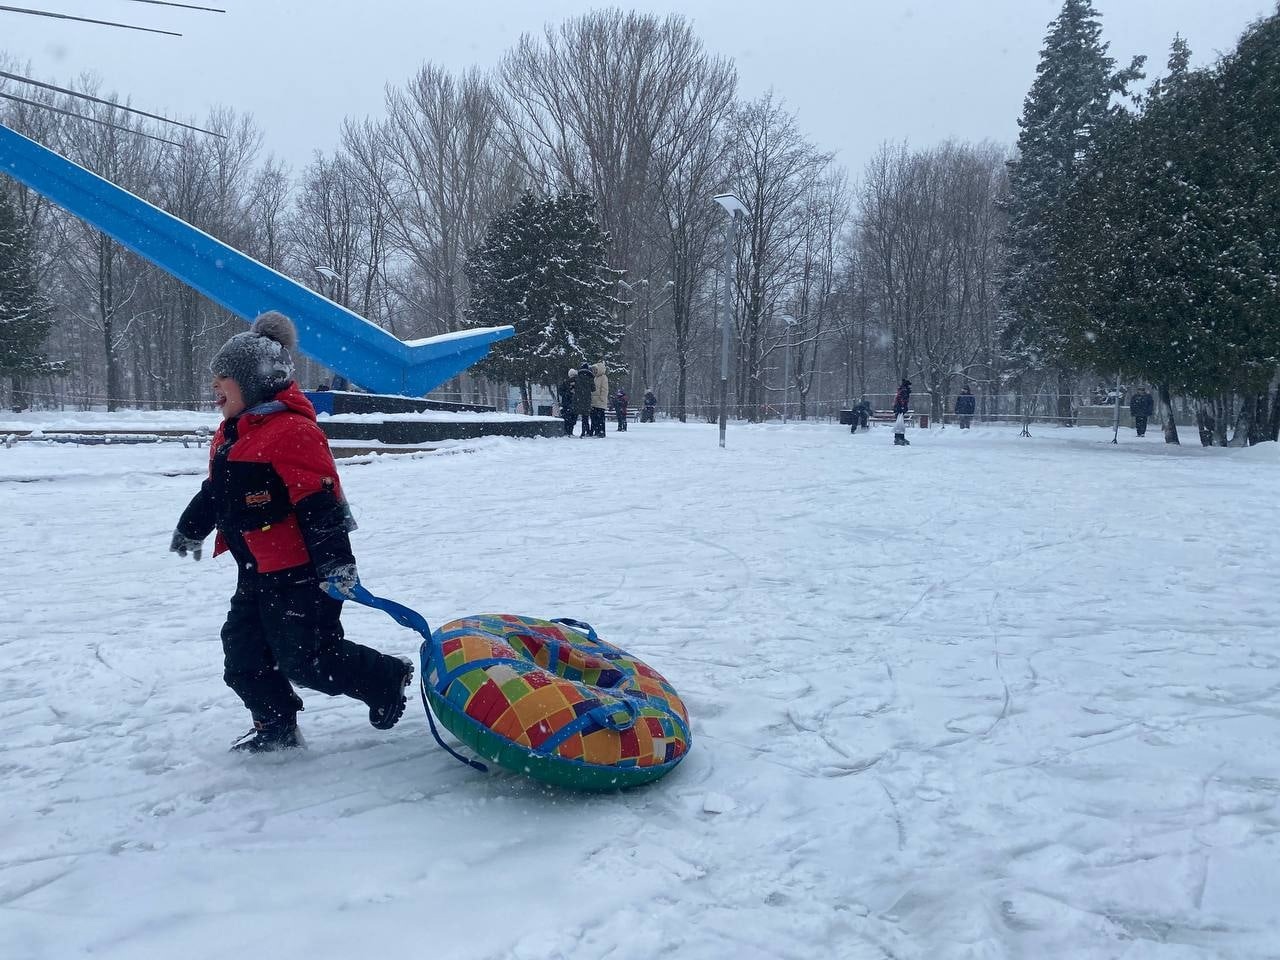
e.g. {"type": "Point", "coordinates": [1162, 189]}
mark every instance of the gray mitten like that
{"type": "Point", "coordinates": [340, 582]}
{"type": "Point", "coordinates": [180, 544]}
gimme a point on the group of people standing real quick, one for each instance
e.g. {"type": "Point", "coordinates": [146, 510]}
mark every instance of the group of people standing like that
{"type": "Point", "coordinates": [584, 397]}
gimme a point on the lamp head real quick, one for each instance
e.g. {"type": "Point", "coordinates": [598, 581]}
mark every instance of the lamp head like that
{"type": "Point", "coordinates": [731, 204]}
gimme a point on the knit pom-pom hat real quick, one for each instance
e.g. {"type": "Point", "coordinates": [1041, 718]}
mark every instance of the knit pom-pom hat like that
{"type": "Point", "coordinates": [258, 359]}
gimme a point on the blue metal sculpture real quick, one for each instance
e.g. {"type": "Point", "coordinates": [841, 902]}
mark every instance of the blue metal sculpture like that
{"type": "Point", "coordinates": [361, 351]}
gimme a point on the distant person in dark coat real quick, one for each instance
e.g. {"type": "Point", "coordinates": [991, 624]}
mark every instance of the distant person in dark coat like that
{"type": "Point", "coordinates": [583, 385]}
{"type": "Point", "coordinates": [901, 404]}
{"type": "Point", "coordinates": [1140, 406]}
{"type": "Point", "coordinates": [568, 412]}
{"type": "Point", "coordinates": [650, 405]}
{"type": "Point", "coordinates": [620, 408]}
{"type": "Point", "coordinates": [861, 416]}
{"type": "Point", "coordinates": [966, 403]}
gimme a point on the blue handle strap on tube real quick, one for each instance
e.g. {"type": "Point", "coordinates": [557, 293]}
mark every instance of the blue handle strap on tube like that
{"type": "Point", "coordinates": [414, 621]}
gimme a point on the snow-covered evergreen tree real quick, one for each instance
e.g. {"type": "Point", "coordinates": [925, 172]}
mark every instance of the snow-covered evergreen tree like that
{"type": "Point", "coordinates": [1170, 248]}
{"type": "Point", "coordinates": [542, 267]}
{"type": "Point", "coordinates": [25, 315]}
{"type": "Point", "coordinates": [1247, 152]}
{"type": "Point", "coordinates": [1069, 99]}
{"type": "Point", "coordinates": [1126, 263]}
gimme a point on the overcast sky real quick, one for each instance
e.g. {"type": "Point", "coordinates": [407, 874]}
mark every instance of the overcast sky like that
{"type": "Point", "coordinates": [857, 72]}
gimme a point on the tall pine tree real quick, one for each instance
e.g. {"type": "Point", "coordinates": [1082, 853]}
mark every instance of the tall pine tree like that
{"type": "Point", "coordinates": [1069, 99]}
{"type": "Point", "coordinates": [1128, 257]}
{"type": "Point", "coordinates": [25, 315]}
{"type": "Point", "coordinates": [542, 267]}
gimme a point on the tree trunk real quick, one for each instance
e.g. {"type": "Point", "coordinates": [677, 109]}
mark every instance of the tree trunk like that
{"type": "Point", "coordinates": [682, 385]}
{"type": "Point", "coordinates": [1221, 414]}
{"type": "Point", "coordinates": [1204, 425]}
{"type": "Point", "coordinates": [1258, 418]}
{"type": "Point", "coordinates": [1170, 426]}
{"type": "Point", "coordinates": [1273, 426]}
{"type": "Point", "coordinates": [1244, 419]}
{"type": "Point", "coordinates": [20, 398]}
{"type": "Point", "coordinates": [1064, 398]}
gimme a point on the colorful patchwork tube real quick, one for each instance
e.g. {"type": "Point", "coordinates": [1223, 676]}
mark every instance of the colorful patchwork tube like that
{"type": "Point", "coordinates": [549, 699]}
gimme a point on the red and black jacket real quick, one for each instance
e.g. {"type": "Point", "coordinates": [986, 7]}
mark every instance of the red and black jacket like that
{"type": "Point", "coordinates": [273, 491]}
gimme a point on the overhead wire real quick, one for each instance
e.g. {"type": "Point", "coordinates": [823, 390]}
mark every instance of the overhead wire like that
{"type": "Point", "coordinates": [183, 6]}
{"type": "Point", "coordinates": [111, 103]}
{"type": "Point", "coordinates": [80, 116]}
{"type": "Point", "coordinates": [5, 8]}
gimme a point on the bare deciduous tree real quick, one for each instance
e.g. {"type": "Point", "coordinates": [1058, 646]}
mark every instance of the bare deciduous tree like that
{"type": "Point", "coordinates": [774, 168]}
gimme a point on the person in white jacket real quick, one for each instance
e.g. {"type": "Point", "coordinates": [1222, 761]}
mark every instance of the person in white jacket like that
{"type": "Point", "coordinates": [599, 398]}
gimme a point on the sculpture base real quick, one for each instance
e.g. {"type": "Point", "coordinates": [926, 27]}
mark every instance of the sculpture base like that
{"type": "Point", "coordinates": [433, 431]}
{"type": "Point", "coordinates": [355, 416]}
{"type": "Point", "coordinates": [335, 402]}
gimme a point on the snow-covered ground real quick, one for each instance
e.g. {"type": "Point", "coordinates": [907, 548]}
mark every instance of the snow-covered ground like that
{"type": "Point", "coordinates": [981, 697]}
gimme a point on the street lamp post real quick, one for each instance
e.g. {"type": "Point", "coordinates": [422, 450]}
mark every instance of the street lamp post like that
{"type": "Point", "coordinates": [1115, 436]}
{"type": "Point", "coordinates": [329, 279]}
{"type": "Point", "coordinates": [626, 323]}
{"type": "Point", "coordinates": [790, 321]}
{"type": "Point", "coordinates": [732, 206]}
{"type": "Point", "coordinates": [648, 318]}
{"type": "Point", "coordinates": [330, 274]}
{"type": "Point", "coordinates": [647, 321]}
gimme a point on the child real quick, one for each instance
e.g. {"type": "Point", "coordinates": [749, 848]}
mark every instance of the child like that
{"type": "Point", "coordinates": [274, 496]}
{"type": "Point", "coordinates": [901, 404]}
{"type": "Point", "coordinates": [620, 408]}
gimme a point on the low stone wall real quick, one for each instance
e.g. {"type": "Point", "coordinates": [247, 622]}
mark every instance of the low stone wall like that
{"type": "Point", "coordinates": [433, 431]}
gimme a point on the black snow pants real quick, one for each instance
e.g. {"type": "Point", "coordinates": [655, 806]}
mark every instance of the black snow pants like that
{"type": "Point", "coordinates": [597, 421]}
{"type": "Point", "coordinates": [569, 420]}
{"type": "Point", "coordinates": [282, 627]}
{"type": "Point", "coordinates": [1140, 424]}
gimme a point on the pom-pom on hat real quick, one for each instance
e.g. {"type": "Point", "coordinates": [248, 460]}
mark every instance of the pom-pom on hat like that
{"type": "Point", "coordinates": [258, 359]}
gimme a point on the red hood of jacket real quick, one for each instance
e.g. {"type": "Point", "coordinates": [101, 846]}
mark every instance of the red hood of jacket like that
{"type": "Point", "coordinates": [296, 401]}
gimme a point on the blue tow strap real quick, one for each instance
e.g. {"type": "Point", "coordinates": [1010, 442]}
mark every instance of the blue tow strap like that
{"type": "Point", "coordinates": [417, 622]}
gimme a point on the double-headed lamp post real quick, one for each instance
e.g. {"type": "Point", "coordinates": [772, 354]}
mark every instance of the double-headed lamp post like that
{"type": "Point", "coordinates": [732, 206]}
{"type": "Point", "coordinates": [626, 310]}
{"type": "Point", "coordinates": [790, 321]}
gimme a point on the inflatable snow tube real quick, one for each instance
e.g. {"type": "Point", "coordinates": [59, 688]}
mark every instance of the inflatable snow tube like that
{"type": "Point", "coordinates": [549, 699]}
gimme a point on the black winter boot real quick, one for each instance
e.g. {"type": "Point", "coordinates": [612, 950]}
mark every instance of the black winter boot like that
{"type": "Point", "coordinates": [385, 714]}
{"type": "Point", "coordinates": [269, 737]}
